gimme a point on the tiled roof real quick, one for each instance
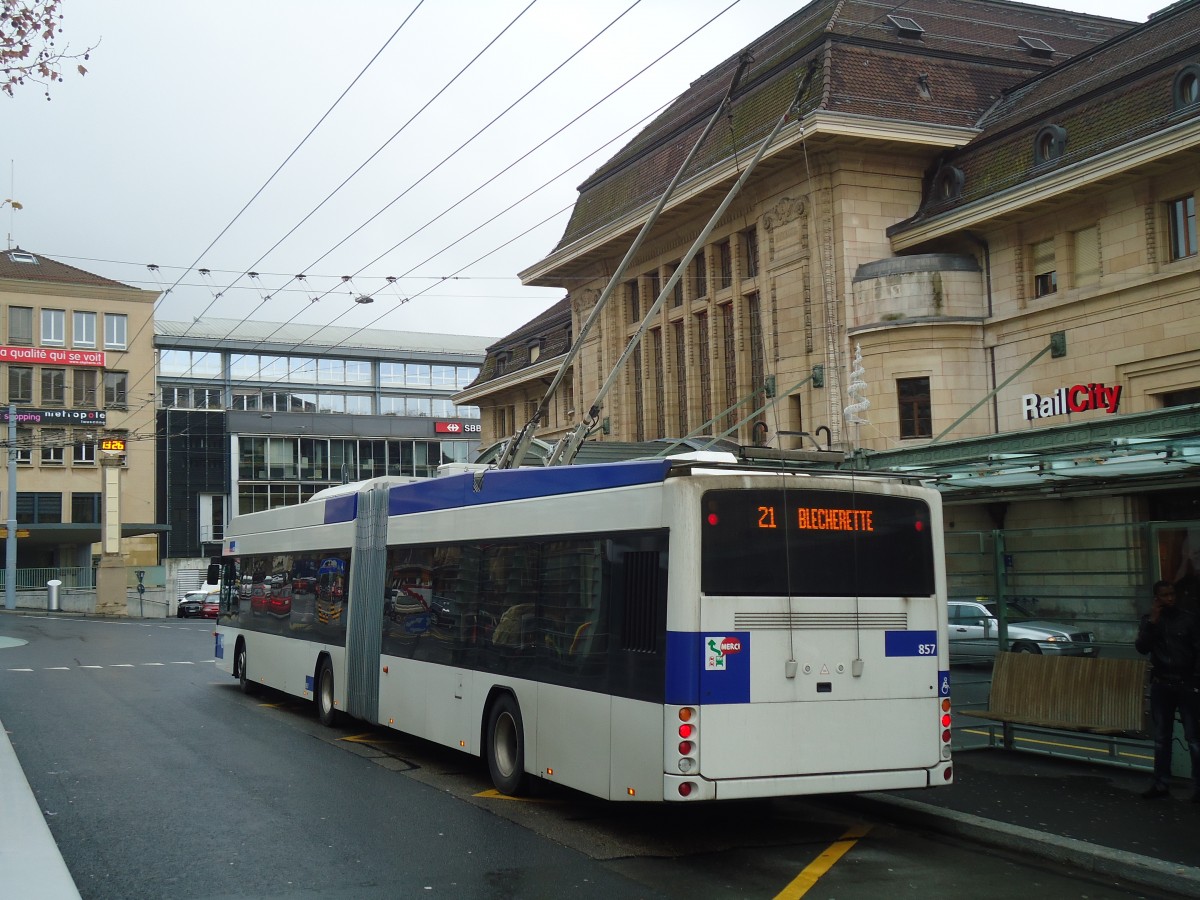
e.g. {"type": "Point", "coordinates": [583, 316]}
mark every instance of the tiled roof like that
{"type": "Point", "coordinates": [551, 317]}
{"type": "Point", "coordinates": [969, 52]}
{"type": "Point", "coordinates": [1105, 99]}
{"type": "Point", "coordinates": [551, 331]}
{"type": "Point", "coordinates": [46, 269]}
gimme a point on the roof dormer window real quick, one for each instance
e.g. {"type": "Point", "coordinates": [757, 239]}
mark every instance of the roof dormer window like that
{"type": "Point", "coordinates": [1049, 144]}
{"type": "Point", "coordinates": [20, 256]}
{"type": "Point", "coordinates": [1186, 89]}
{"type": "Point", "coordinates": [948, 183]}
{"type": "Point", "coordinates": [906, 27]}
{"type": "Point", "coordinates": [1036, 46]}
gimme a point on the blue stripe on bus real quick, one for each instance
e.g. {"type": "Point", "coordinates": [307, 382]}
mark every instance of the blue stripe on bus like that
{"type": "Point", "coordinates": [708, 667]}
{"type": "Point", "coordinates": [341, 509]}
{"type": "Point", "coordinates": [497, 485]}
{"type": "Point", "coordinates": [910, 643]}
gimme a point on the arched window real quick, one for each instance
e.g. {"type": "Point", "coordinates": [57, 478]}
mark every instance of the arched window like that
{"type": "Point", "coordinates": [1049, 144]}
{"type": "Point", "coordinates": [947, 183]}
{"type": "Point", "coordinates": [1186, 90]}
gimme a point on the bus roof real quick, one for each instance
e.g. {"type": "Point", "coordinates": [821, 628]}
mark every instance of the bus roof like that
{"type": "Point", "coordinates": [498, 485]}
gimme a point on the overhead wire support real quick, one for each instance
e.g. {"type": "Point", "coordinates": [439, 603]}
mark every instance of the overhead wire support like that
{"type": "Point", "coordinates": [514, 451]}
{"type": "Point", "coordinates": [700, 429]}
{"type": "Point", "coordinates": [565, 452]}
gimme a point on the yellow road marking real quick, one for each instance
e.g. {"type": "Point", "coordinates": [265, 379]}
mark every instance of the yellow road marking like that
{"type": "Point", "coordinates": [806, 880]}
{"type": "Point", "coordinates": [494, 794]}
{"type": "Point", "coordinates": [367, 738]}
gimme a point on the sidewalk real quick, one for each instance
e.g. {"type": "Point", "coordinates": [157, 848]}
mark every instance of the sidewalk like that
{"type": "Point", "coordinates": [1078, 814]}
{"type": "Point", "coordinates": [30, 863]}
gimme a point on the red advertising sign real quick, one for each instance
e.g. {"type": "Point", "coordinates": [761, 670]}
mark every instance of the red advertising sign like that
{"type": "Point", "coordinates": [52, 356]}
{"type": "Point", "coordinates": [456, 428]}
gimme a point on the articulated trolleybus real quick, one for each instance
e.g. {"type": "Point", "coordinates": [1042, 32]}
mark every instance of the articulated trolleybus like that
{"type": "Point", "coordinates": [679, 629]}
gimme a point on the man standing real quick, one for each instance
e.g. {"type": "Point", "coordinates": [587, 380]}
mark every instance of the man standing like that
{"type": "Point", "coordinates": [1171, 636]}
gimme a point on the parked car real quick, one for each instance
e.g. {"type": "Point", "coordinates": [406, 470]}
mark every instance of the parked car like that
{"type": "Point", "coordinates": [191, 605]}
{"type": "Point", "coordinates": [975, 632]}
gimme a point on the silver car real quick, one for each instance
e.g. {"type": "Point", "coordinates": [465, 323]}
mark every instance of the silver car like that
{"type": "Point", "coordinates": [975, 632]}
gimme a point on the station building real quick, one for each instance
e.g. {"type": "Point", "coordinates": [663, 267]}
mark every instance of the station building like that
{"type": "Point", "coordinates": [969, 255]}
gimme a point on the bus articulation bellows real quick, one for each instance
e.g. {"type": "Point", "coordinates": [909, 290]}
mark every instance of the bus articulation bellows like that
{"type": "Point", "coordinates": [679, 629]}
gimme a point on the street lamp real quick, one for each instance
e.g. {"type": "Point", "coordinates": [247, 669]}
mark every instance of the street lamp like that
{"type": "Point", "coordinates": [10, 542]}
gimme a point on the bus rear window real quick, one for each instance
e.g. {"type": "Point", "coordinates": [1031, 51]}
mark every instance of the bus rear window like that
{"type": "Point", "coordinates": [815, 543]}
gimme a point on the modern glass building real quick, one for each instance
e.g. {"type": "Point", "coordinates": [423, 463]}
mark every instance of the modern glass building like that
{"type": "Point", "coordinates": [254, 415]}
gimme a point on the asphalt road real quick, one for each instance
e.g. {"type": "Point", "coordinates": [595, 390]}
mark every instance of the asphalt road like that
{"type": "Point", "coordinates": [159, 779]}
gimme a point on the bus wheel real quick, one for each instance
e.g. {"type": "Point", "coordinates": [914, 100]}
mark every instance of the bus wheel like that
{"type": "Point", "coordinates": [326, 711]}
{"type": "Point", "coordinates": [239, 663]}
{"type": "Point", "coordinates": [506, 746]}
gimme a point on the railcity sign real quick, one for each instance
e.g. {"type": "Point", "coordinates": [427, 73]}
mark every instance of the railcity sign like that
{"type": "Point", "coordinates": [1077, 398]}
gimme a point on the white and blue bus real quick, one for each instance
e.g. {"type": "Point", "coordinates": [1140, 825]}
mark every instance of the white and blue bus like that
{"type": "Point", "coordinates": [679, 629]}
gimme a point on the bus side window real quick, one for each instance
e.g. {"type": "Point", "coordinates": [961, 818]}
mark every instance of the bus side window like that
{"type": "Point", "coordinates": [510, 628]}
{"type": "Point", "coordinates": [582, 640]}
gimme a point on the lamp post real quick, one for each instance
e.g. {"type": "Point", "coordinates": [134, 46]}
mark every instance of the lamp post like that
{"type": "Point", "coordinates": [10, 542]}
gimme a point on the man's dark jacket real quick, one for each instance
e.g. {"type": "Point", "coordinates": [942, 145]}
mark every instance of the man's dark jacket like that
{"type": "Point", "coordinates": [1173, 643]}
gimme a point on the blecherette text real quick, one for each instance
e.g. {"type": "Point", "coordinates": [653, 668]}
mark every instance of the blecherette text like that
{"type": "Point", "coordinates": [1078, 398]}
{"type": "Point", "coordinates": [811, 519]}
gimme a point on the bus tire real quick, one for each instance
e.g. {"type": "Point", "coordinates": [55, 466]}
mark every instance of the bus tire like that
{"type": "Point", "coordinates": [239, 664]}
{"type": "Point", "coordinates": [506, 746]}
{"type": "Point", "coordinates": [326, 710]}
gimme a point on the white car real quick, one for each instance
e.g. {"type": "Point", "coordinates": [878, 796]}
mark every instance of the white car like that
{"type": "Point", "coordinates": [974, 631]}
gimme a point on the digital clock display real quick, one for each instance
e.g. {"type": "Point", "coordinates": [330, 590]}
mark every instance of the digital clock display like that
{"type": "Point", "coordinates": [816, 543]}
{"type": "Point", "coordinates": [113, 444]}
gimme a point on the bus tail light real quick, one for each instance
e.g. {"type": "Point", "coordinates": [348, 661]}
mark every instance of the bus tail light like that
{"type": "Point", "coordinates": [945, 722]}
{"type": "Point", "coordinates": [686, 788]}
{"type": "Point", "coordinates": [687, 759]}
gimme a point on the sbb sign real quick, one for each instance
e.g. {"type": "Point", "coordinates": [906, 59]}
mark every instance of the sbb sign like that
{"type": "Point", "coordinates": [455, 428]}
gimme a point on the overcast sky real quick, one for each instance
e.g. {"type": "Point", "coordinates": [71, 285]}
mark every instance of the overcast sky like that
{"type": "Point", "coordinates": [189, 106]}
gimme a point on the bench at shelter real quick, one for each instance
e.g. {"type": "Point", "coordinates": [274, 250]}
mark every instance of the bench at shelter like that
{"type": "Point", "coordinates": [1074, 693]}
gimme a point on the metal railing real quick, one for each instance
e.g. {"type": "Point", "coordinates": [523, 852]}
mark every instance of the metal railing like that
{"type": "Point", "coordinates": [35, 579]}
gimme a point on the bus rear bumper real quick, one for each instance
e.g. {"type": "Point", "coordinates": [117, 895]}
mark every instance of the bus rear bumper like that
{"type": "Point", "coordinates": [800, 785]}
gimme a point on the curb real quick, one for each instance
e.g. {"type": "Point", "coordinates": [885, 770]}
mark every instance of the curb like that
{"type": "Point", "coordinates": [1132, 867]}
{"type": "Point", "coordinates": [31, 865]}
